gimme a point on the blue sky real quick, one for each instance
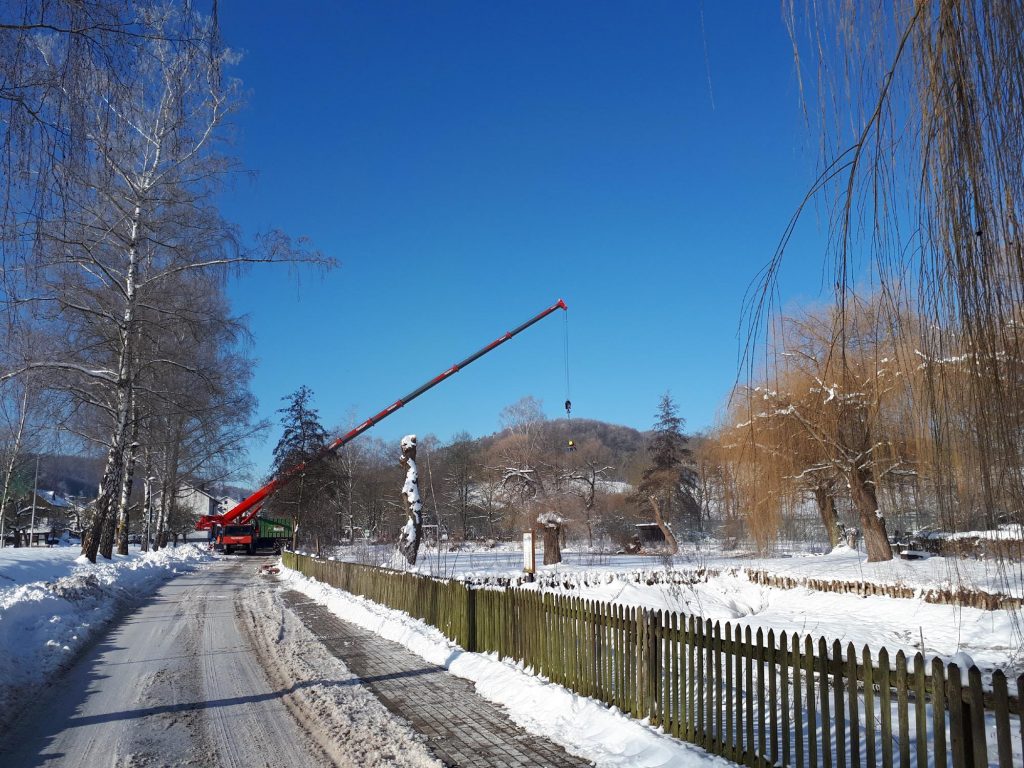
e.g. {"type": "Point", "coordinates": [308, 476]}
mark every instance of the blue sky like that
{"type": "Point", "coordinates": [470, 163]}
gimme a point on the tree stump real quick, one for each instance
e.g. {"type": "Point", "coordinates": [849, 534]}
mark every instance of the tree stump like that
{"type": "Point", "coordinates": [551, 524]}
{"type": "Point", "coordinates": [412, 531]}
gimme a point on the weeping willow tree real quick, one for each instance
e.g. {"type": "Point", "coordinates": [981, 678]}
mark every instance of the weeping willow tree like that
{"type": "Point", "coordinates": [919, 106]}
{"type": "Point", "coordinates": [828, 420]}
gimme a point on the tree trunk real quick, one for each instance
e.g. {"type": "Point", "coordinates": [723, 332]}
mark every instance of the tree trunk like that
{"type": "Point", "coordinates": [110, 484]}
{"type": "Point", "coordinates": [862, 489]}
{"type": "Point", "coordinates": [827, 509]}
{"type": "Point", "coordinates": [126, 483]}
{"type": "Point", "coordinates": [9, 471]}
{"type": "Point", "coordinates": [111, 479]}
{"type": "Point", "coordinates": [161, 514]}
{"type": "Point", "coordinates": [147, 502]}
{"type": "Point", "coordinates": [412, 531]}
{"type": "Point", "coordinates": [672, 546]}
{"type": "Point", "coordinates": [552, 545]}
{"type": "Point", "coordinates": [107, 536]}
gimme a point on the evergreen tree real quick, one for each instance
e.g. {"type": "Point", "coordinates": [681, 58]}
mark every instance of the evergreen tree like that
{"type": "Point", "coordinates": [303, 434]}
{"type": "Point", "coordinates": [308, 499]}
{"type": "Point", "coordinates": [668, 447]}
{"type": "Point", "coordinates": [670, 477]}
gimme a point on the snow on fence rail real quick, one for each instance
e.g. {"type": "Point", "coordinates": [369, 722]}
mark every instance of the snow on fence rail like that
{"type": "Point", "coordinates": [755, 699]}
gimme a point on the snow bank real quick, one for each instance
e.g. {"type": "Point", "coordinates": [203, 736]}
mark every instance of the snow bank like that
{"type": "Point", "coordinates": [581, 725]}
{"type": "Point", "coordinates": [52, 602]}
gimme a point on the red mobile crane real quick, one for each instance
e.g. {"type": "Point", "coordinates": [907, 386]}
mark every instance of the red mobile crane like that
{"type": "Point", "coordinates": [240, 528]}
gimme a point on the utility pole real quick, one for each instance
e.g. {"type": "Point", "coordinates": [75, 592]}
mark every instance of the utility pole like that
{"type": "Point", "coordinates": [35, 492]}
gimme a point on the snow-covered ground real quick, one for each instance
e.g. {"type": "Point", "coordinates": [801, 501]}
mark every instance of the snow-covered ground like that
{"type": "Point", "coordinates": [506, 560]}
{"type": "Point", "coordinates": [581, 725]}
{"type": "Point", "coordinates": [993, 639]}
{"type": "Point", "coordinates": [52, 602]}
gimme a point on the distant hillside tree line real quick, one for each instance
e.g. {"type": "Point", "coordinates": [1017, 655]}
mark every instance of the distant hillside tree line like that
{"type": "Point", "coordinates": [494, 487]}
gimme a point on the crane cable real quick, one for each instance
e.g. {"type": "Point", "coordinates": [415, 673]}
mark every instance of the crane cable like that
{"type": "Point", "coordinates": [568, 394]}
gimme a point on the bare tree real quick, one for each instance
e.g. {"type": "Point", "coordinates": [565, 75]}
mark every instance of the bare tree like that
{"type": "Point", "coordinates": [922, 173]}
{"type": "Point", "coordinates": [130, 218]}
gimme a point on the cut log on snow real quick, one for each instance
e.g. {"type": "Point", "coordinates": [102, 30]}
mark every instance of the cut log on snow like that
{"type": "Point", "coordinates": [551, 524]}
{"type": "Point", "coordinates": [409, 538]}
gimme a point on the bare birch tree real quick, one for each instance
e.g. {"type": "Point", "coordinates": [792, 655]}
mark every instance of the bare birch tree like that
{"type": "Point", "coordinates": [130, 214]}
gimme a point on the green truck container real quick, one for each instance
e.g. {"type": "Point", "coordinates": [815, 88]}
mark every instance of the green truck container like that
{"type": "Point", "coordinates": [274, 528]}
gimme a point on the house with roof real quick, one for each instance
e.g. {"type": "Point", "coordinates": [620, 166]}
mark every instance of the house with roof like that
{"type": "Point", "coordinates": [52, 517]}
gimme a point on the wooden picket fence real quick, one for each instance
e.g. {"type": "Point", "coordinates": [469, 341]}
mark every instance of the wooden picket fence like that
{"type": "Point", "coordinates": [756, 699]}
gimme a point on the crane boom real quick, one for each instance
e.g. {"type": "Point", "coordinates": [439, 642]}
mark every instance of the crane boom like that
{"type": "Point", "coordinates": [207, 522]}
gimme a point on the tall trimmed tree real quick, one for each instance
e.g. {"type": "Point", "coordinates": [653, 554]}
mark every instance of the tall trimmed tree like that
{"type": "Point", "coordinates": [302, 438]}
{"type": "Point", "coordinates": [669, 481]}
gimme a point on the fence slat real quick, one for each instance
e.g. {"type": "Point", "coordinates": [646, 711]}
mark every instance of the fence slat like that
{"type": "Point", "coordinates": [939, 712]}
{"type": "Point", "coordinates": [954, 698]}
{"type": "Point", "coordinates": [1020, 709]}
{"type": "Point", "coordinates": [823, 692]}
{"type": "Point", "coordinates": [730, 692]}
{"type": "Point", "coordinates": [811, 712]}
{"type": "Point", "coordinates": [798, 719]}
{"type": "Point", "coordinates": [717, 684]}
{"type": "Point", "coordinates": [977, 717]}
{"type": "Point", "coordinates": [748, 688]}
{"type": "Point", "coordinates": [1004, 745]}
{"type": "Point", "coordinates": [693, 680]}
{"type": "Point", "coordinates": [759, 654]}
{"type": "Point", "coordinates": [784, 682]}
{"type": "Point", "coordinates": [839, 701]}
{"type": "Point", "coordinates": [677, 682]}
{"type": "Point", "coordinates": [885, 706]}
{"type": "Point", "coordinates": [773, 702]}
{"type": "Point", "coordinates": [870, 747]}
{"type": "Point", "coordinates": [920, 712]}
{"type": "Point", "coordinates": [741, 743]}
{"type": "Point", "coordinates": [709, 682]}
{"type": "Point", "coordinates": [903, 708]}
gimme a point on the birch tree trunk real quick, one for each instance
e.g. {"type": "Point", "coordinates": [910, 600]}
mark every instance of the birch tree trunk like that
{"type": "Point", "coordinates": [113, 473]}
{"type": "Point", "coordinates": [127, 481]}
{"type": "Point", "coordinates": [147, 500]}
{"type": "Point", "coordinates": [9, 469]}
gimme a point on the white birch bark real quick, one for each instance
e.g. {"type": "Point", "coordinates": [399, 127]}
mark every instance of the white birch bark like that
{"type": "Point", "coordinates": [9, 469]}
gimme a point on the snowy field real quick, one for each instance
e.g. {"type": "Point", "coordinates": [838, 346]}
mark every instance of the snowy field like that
{"type": "Point", "coordinates": [52, 602]}
{"type": "Point", "coordinates": [843, 564]}
{"type": "Point", "coordinates": [992, 639]}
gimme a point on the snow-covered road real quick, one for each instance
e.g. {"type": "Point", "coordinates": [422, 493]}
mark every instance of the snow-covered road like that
{"type": "Point", "coordinates": [209, 671]}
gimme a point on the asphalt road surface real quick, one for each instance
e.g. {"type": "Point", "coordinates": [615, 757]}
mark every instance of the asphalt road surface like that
{"type": "Point", "coordinates": [179, 681]}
